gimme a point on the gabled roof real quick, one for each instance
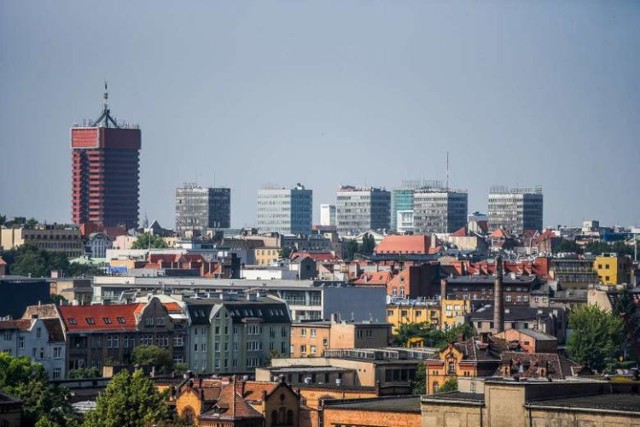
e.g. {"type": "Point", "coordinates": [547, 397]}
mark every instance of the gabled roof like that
{"type": "Point", "coordinates": [54, 328]}
{"type": "Point", "coordinates": [231, 406]}
{"type": "Point", "coordinates": [253, 389]}
{"type": "Point", "coordinates": [319, 256]}
{"type": "Point", "coordinates": [20, 324]}
{"type": "Point", "coordinates": [375, 278]}
{"type": "Point", "coordinates": [2, 262]}
{"type": "Point", "coordinates": [461, 232]}
{"type": "Point", "coordinates": [99, 317]}
{"type": "Point", "coordinates": [531, 365]}
{"type": "Point", "coordinates": [404, 244]}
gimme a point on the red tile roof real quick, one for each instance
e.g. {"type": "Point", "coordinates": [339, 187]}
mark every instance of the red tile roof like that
{"type": "Point", "coordinates": [376, 278]}
{"type": "Point", "coordinates": [407, 244]}
{"type": "Point", "coordinates": [462, 232]}
{"type": "Point", "coordinates": [316, 256]}
{"type": "Point", "coordinates": [21, 324]}
{"type": "Point", "coordinates": [99, 317]}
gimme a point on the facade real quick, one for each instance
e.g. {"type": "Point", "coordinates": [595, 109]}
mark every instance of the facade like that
{"type": "Point", "coordinates": [362, 209]}
{"type": "Point", "coordinates": [515, 209]}
{"type": "Point", "coordinates": [508, 402]}
{"type": "Point", "coordinates": [401, 201]}
{"type": "Point", "coordinates": [41, 340]}
{"type": "Point", "coordinates": [613, 269]}
{"type": "Point", "coordinates": [404, 311]}
{"type": "Point", "coordinates": [379, 411]}
{"type": "Point", "coordinates": [311, 339]}
{"type": "Point", "coordinates": [67, 241]}
{"type": "Point", "coordinates": [98, 335]}
{"type": "Point", "coordinates": [106, 163]}
{"type": "Point", "coordinates": [201, 208]}
{"type": "Point", "coordinates": [327, 215]}
{"type": "Point", "coordinates": [286, 211]}
{"type": "Point", "coordinates": [235, 335]}
{"type": "Point", "coordinates": [438, 210]}
{"type": "Point", "coordinates": [404, 221]}
{"type": "Point", "coordinates": [97, 244]}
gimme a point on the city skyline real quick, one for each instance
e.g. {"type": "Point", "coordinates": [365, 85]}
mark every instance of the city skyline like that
{"type": "Point", "coordinates": [517, 94]}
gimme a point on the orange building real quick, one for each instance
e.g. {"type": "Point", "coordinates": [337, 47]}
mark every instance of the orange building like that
{"type": "Point", "coordinates": [397, 411]}
{"type": "Point", "coordinates": [310, 339]}
{"type": "Point", "coordinates": [462, 359]}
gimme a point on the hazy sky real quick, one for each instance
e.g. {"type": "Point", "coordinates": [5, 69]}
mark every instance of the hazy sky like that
{"type": "Point", "coordinates": [328, 93]}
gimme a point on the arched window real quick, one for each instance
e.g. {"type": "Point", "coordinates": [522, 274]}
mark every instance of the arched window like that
{"type": "Point", "coordinates": [290, 417]}
{"type": "Point", "coordinates": [274, 418]}
{"type": "Point", "coordinates": [281, 416]}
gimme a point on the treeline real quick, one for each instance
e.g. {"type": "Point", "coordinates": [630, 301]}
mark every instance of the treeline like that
{"type": "Point", "coordinates": [28, 260]}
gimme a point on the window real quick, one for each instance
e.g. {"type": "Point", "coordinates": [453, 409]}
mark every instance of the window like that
{"type": "Point", "coordinates": [195, 347]}
{"type": "Point", "coordinates": [389, 313]}
{"type": "Point", "coordinates": [507, 298]}
{"type": "Point", "coordinates": [418, 313]}
{"type": "Point", "coordinates": [359, 333]}
{"type": "Point", "coordinates": [7, 335]}
{"type": "Point", "coordinates": [303, 348]}
{"type": "Point", "coordinates": [178, 340]}
{"type": "Point", "coordinates": [148, 321]}
{"type": "Point", "coordinates": [38, 332]}
{"type": "Point", "coordinates": [57, 352]}
{"type": "Point", "coordinates": [21, 343]}
{"type": "Point", "coordinates": [313, 333]}
{"type": "Point", "coordinates": [56, 373]}
{"type": "Point", "coordinates": [160, 321]}
{"type": "Point", "coordinates": [313, 349]}
{"type": "Point", "coordinates": [113, 341]}
{"type": "Point", "coordinates": [106, 320]}
{"type": "Point", "coordinates": [303, 332]}
{"type": "Point", "coordinates": [121, 320]}
{"type": "Point", "coordinates": [404, 313]}
{"type": "Point", "coordinates": [283, 331]}
{"type": "Point", "coordinates": [216, 346]}
{"type": "Point", "coordinates": [42, 353]}
{"type": "Point", "coordinates": [72, 321]}
{"type": "Point", "coordinates": [89, 320]}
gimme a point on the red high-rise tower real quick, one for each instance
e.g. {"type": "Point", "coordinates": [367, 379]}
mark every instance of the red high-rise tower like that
{"type": "Point", "coordinates": [106, 163]}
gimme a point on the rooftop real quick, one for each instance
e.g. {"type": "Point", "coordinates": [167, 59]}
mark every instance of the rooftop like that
{"type": "Point", "coordinates": [628, 403]}
{"type": "Point", "coordinates": [378, 404]}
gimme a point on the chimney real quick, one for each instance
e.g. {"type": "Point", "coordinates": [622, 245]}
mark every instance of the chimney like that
{"type": "Point", "coordinates": [443, 289]}
{"type": "Point", "coordinates": [498, 309]}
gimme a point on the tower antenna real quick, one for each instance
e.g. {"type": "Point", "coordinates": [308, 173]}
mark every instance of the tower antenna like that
{"type": "Point", "coordinates": [105, 117]}
{"type": "Point", "coordinates": [447, 171]}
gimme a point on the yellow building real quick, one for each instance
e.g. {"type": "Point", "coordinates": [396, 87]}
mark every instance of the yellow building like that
{"type": "Point", "coordinates": [413, 311]}
{"type": "Point", "coordinates": [267, 256]}
{"type": "Point", "coordinates": [613, 269]}
{"type": "Point", "coordinates": [452, 312]}
{"type": "Point", "coordinates": [48, 237]}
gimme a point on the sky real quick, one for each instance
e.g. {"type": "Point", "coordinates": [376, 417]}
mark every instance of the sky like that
{"type": "Point", "coordinates": [245, 94]}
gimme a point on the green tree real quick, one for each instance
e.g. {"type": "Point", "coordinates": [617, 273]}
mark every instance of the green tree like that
{"type": "Point", "coordinates": [368, 244]}
{"type": "Point", "coordinates": [151, 355]}
{"type": "Point", "coordinates": [130, 400]}
{"type": "Point", "coordinates": [449, 385]}
{"type": "Point", "coordinates": [419, 383]}
{"type": "Point", "coordinates": [147, 240]}
{"type": "Point", "coordinates": [595, 338]}
{"type": "Point", "coordinates": [79, 373]}
{"type": "Point", "coordinates": [27, 380]}
{"type": "Point", "coordinates": [567, 245]}
{"type": "Point", "coordinates": [3, 220]}
{"type": "Point", "coordinates": [349, 248]}
{"type": "Point", "coordinates": [285, 253]}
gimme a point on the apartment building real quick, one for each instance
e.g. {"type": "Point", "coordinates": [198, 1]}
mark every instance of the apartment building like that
{"type": "Point", "coordinates": [515, 209]}
{"type": "Point", "coordinates": [285, 210]}
{"type": "Point", "coordinates": [360, 209]}
{"type": "Point", "coordinates": [57, 239]}
{"type": "Point", "coordinates": [234, 334]}
{"type": "Point", "coordinates": [613, 269]}
{"type": "Point", "coordinates": [439, 210]}
{"type": "Point", "coordinates": [311, 339]}
{"type": "Point", "coordinates": [201, 208]}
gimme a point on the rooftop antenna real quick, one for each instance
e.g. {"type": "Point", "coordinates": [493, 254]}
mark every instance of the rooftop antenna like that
{"type": "Point", "coordinates": [105, 117]}
{"type": "Point", "coordinates": [447, 171]}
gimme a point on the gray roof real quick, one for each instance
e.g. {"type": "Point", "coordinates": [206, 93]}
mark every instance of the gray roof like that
{"type": "Point", "coordinates": [612, 402]}
{"type": "Point", "coordinates": [455, 396]}
{"type": "Point", "coordinates": [382, 404]}
{"type": "Point", "coordinates": [489, 280]}
{"type": "Point", "coordinates": [514, 313]}
{"type": "Point", "coordinates": [264, 309]}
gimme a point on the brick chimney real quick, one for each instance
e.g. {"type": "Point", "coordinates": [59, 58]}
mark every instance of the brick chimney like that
{"type": "Point", "coordinates": [498, 296]}
{"type": "Point", "coordinates": [443, 289]}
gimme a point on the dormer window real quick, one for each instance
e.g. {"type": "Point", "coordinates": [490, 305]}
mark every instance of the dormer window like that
{"type": "Point", "coordinates": [106, 320]}
{"type": "Point", "coordinates": [72, 321]}
{"type": "Point", "coordinates": [121, 320]}
{"type": "Point", "coordinates": [90, 321]}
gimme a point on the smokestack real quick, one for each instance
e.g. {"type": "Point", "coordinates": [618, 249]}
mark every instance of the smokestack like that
{"type": "Point", "coordinates": [498, 305]}
{"type": "Point", "coordinates": [443, 290]}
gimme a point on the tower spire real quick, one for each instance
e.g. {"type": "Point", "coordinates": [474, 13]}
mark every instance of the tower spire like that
{"type": "Point", "coordinates": [105, 118]}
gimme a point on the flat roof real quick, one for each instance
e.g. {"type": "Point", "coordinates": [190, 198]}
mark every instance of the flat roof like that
{"type": "Point", "coordinates": [455, 397]}
{"type": "Point", "coordinates": [378, 404]}
{"type": "Point", "coordinates": [627, 403]}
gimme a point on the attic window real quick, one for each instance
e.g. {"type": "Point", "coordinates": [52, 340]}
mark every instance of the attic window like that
{"type": "Point", "coordinates": [72, 321]}
{"type": "Point", "coordinates": [121, 320]}
{"type": "Point", "coordinates": [90, 321]}
{"type": "Point", "coordinates": [106, 320]}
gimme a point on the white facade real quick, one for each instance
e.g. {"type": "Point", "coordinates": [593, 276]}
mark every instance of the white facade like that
{"type": "Point", "coordinates": [286, 211]}
{"type": "Point", "coordinates": [33, 339]}
{"type": "Point", "coordinates": [404, 221]}
{"type": "Point", "coordinates": [328, 215]}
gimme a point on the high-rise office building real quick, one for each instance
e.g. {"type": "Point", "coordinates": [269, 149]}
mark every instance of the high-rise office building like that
{"type": "Point", "coordinates": [401, 200]}
{"type": "Point", "coordinates": [439, 210]}
{"type": "Point", "coordinates": [105, 171]}
{"type": "Point", "coordinates": [361, 209]}
{"type": "Point", "coordinates": [327, 215]}
{"type": "Point", "coordinates": [200, 208]}
{"type": "Point", "coordinates": [515, 209]}
{"type": "Point", "coordinates": [284, 210]}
